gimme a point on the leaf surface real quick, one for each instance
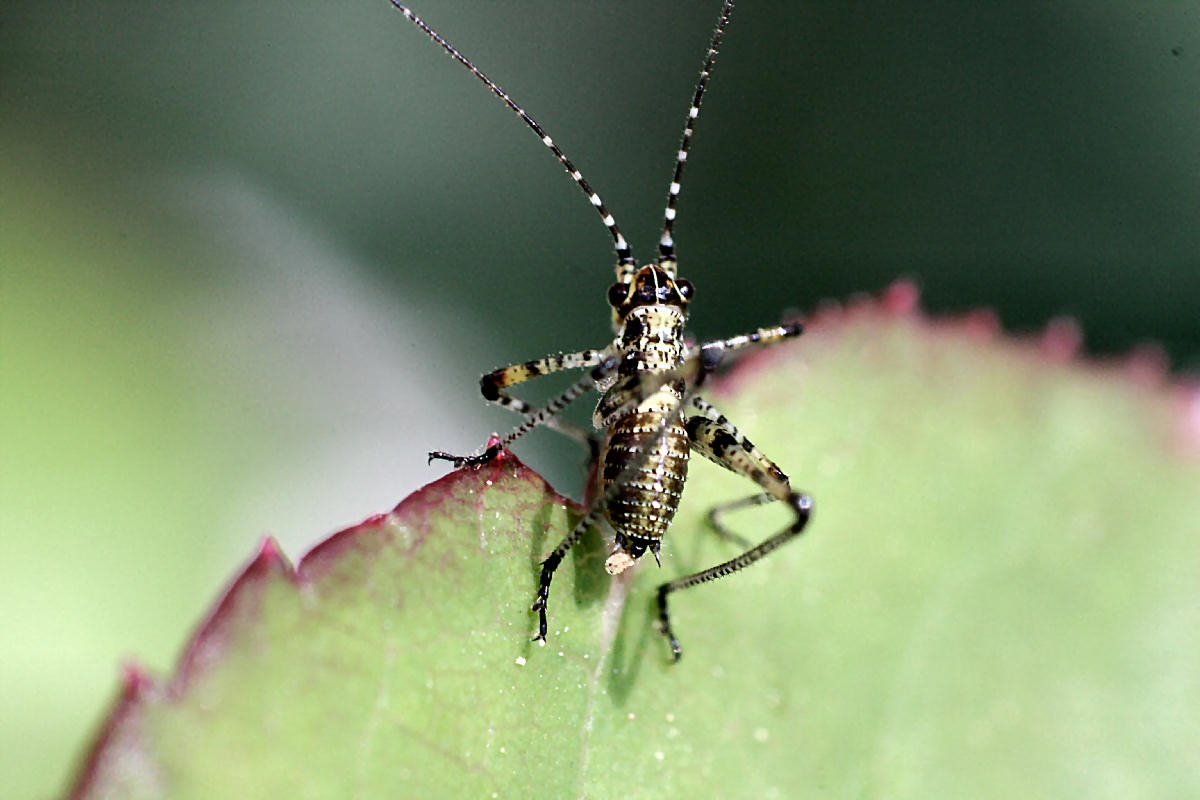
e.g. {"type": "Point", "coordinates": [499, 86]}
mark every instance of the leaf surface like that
{"type": "Point", "coordinates": [998, 596]}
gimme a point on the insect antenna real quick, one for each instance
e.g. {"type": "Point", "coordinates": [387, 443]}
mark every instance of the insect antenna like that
{"type": "Point", "coordinates": [624, 256]}
{"type": "Point", "coordinates": [666, 244]}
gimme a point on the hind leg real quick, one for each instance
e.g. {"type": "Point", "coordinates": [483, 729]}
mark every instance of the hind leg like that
{"type": "Point", "coordinates": [713, 436]}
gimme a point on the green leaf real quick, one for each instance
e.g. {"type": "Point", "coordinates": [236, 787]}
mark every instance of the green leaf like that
{"type": "Point", "coordinates": [998, 596]}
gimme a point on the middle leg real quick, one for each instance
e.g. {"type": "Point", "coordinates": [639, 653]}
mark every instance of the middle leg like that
{"type": "Point", "coordinates": [493, 384]}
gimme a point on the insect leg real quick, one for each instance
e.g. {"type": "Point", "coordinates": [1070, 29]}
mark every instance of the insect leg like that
{"type": "Point", "coordinates": [542, 598]}
{"type": "Point", "coordinates": [762, 336]}
{"type": "Point", "coordinates": [714, 437]}
{"type": "Point", "coordinates": [615, 486]}
{"type": "Point", "coordinates": [556, 423]}
{"type": "Point", "coordinates": [493, 384]}
{"type": "Point", "coordinates": [718, 511]}
{"type": "Point", "coordinates": [717, 424]}
{"type": "Point", "coordinates": [699, 362]}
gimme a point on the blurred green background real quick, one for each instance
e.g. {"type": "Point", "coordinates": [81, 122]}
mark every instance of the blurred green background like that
{"type": "Point", "coordinates": [253, 256]}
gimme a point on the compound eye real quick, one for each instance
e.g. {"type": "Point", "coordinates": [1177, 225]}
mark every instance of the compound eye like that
{"type": "Point", "coordinates": [686, 290]}
{"type": "Point", "coordinates": [616, 294]}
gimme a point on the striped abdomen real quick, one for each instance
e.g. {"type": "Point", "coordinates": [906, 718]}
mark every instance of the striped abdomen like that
{"type": "Point", "coordinates": [642, 509]}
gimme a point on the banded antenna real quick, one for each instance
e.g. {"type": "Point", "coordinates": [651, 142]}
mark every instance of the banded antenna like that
{"type": "Point", "coordinates": [666, 244]}
{"type": "Point", "coordinates": [624, 256]}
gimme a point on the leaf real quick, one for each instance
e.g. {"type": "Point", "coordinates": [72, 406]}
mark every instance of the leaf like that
{"type": "Point", "coordinates": [998, 596]}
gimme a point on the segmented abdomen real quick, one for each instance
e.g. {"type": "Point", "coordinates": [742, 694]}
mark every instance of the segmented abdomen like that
{"type": "Point", "coordinates": [647, 502]}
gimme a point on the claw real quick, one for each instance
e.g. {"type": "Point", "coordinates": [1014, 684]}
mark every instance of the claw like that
{"type": "Point", "coordinates": [676, 650]}
{"type": "Point", "coordinates": [664, 622]}
{"type": "Point", "coordinates": [539, 605]}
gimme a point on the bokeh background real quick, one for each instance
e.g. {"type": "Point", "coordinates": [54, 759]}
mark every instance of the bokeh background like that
{"type": "Point", "coordinates": [253, 256]}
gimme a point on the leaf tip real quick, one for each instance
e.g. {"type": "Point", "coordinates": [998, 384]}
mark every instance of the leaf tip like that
{"type": "Point", "coordinates": [241, 598]}
{"type": "Point", "coordinates": [901, 298]}
{"type": "Point", "coordinates": [268, 552]}
{"type": "Point", "coordinates": [1061, 339]}
{"type": "Point", "coordinates": [135, 681]}
{"type": "Point", "coordinates": [120, 724]}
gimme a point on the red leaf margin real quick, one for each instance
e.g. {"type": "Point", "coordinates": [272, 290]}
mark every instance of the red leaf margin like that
{"type": "Point", "coordinates": [207, 645]}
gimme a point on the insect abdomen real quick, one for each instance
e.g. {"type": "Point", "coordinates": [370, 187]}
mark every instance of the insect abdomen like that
{"type": "Point", "coordinates": [642, 510]}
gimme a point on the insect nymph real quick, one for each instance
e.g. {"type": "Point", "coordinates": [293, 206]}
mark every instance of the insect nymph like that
{"type": "Point", "coordinates": [649, 413]}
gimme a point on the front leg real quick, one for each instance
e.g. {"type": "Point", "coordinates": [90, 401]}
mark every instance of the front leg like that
{"type": "Point", "coordinates": [708, 355]}
{"type": "Point", "coordinates": [493, 384]}
{"type": "Point", "coordinates": [697, 364]}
